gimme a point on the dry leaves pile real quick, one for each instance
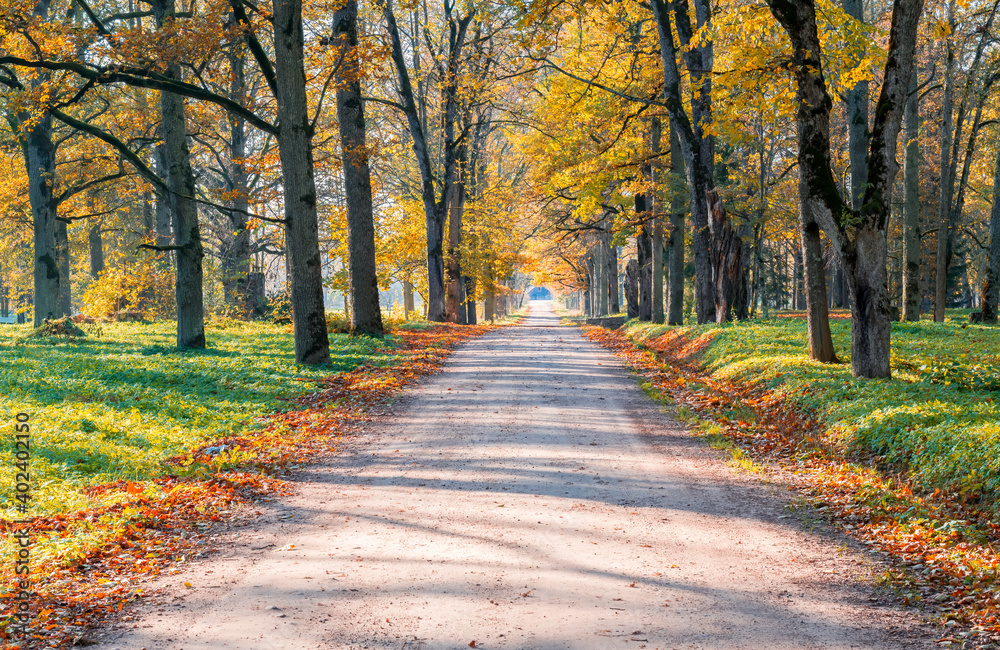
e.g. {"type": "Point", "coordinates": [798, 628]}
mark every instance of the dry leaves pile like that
{"type": "Point", "coordinates": [942, 550]}
{"type": "Point", "coordinates": [148, 528]}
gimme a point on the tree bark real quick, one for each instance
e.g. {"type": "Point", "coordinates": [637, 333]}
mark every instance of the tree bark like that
{"type": "Point", "coordinates": [858, 236]}
{"type": "Point", "coordinates": [312, 343]}
{"type": "Point", "coordinates": [40, 163]}
{"type": "Point", "coordinates": [644, 255]}
{"type": "Point", "coordinates": [408, 303]}
{"type": "Point", "coordinates": [675, 297]}
{"type": "Point", "coordinates": [727, 253]}
{"type": "Point", "coordinates": [366, 314]}
{"type": "Point", "coordinates": [911, 206]}
{"type": "Point", "coordinates": [818, 315]}
{"type": "Point", "coordinates": [96, 251]}
{"type": "Point", "coordinates": [656, 178]}
{"type": "Point", "coordinates": [184, 211]}
{"type": "Point", "coordinates": [470, 300]}
{"type": "Point", "coordinates": [453, 268]}
{"type": "Point", "coordinates": [857, 122]}
{"type": "Point", "coordinates": [611, 286]}
{"type": "Point", "coordinates": [632, 288]}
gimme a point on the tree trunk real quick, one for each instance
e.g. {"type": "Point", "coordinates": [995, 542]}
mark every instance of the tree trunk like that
{"type": "Point", "coordinates": [601, 262]}
{"type": "Point", "coordinates": [675, 295]}
{"type": "Point", "coordinates": [365, 310]}
{"type": "Point", "coordinates": [644, 255]}
{"type": "Point", "coordinates": [656, 178]}
{"type": "Point", "coordinates": [40, 165]}
{"type": "Point", "coordinates": [870, 320]}
{"type": "Point", "coordinates": [857, 122]}
{"type": "Point", "coordinates": [235, 249]}
{"type": "Point", "coordinates": [911, 207]}
{"type": "Point", "coordinates": [817, 314]}
{"type": "Point", "coordinates": [62, 255]}
{"type": "Point", "coordinates": [312, 344]}
{"type": "Point", "coordinates": [470, 300]}
{"type": "Point", "coordinates": [632, 288]}
{"type": "Point", "coordinates": [858, 236]}
{"type": "Point", "coordinates": [453, 269]}
{"type": "Point", "coordinates": [991, 286]}
{"type": "Point", "coordinates": [96, 251]}
{"type": "Point", "coordinates": [408, 303]}
{"type": "Point", "coordinates": [727, 254]}
{"type": "Point", "coordinates": [489, 306]}
{"type": "Point", "coordinates": [945, 183]}
{"type": "Point", "coordinates": [611, 257]}
{"type": "Point", "coordinates": [184, 211]}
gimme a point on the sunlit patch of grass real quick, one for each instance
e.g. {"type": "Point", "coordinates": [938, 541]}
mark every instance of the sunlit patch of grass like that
{"type": "Point", "coordinates": [936, 420]}
{"type": "Point", "coordinates": [116, 404]}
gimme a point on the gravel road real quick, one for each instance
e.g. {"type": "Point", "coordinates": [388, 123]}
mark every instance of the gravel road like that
{"type": "Point", "coordinates": [529, 496]}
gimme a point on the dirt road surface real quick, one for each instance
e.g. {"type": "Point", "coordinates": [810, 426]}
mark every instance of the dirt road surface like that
{"type": "Point", "coordinates": [529, 496]}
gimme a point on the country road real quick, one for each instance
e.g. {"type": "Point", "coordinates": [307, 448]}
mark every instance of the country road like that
{"type": "Point", "coordinates": [528, 496]}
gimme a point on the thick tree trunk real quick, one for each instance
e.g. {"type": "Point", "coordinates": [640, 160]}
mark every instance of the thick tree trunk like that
{"type": "Point", "coordinates": [40, 164]}
{"type": "Point", "coordinates": [675, 295]}
{"type": "Point", "coordinates": [870, 321]}
{"type": "Point", "coordinates": [991, 286]}
{"type": "Point", "coordinates": [366, 314]}
{"type": "Point", "coordinates": [312, 343]}
{"type": "Point", "coordinates": [857, 235]}
{"type": "Point", "coordinates": [164, 228]}
{"type": "Point", "coordinates": [911, 206]}
{"type": "Point", "coordinates": [727, 253]}
{"type": "Point", "coordinates": [96, 250]}
{"type": "Point", "coordinates": [184, 211]}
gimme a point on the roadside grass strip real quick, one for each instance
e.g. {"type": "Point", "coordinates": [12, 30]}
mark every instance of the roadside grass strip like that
{"type": "Point", "coordinates": [142, 455]}
{"type": "Point", "coordinates": [910, 467]}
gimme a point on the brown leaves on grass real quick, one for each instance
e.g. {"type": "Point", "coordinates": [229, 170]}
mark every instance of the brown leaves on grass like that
{"type": "Point", "coordinates": [148, 528]}
{"type": "Point", "coordinates": [943, 551]}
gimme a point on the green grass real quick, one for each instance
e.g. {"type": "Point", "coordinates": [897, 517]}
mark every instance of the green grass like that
{"type": "Point", "coordinates": [119, 402]}
{"type": "Point", "coordinates": [933, 421]}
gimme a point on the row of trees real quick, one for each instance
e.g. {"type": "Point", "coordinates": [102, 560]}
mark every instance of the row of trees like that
{"type": "Point", "coordinates": [765, 122]}
{"type": "Point", "coordinates": [264, 132]}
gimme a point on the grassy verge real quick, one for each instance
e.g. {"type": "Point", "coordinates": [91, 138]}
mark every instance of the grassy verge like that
{"type": "Point", "coordinates": [140, 451]}
{"type": "Point", "coordinates": [909, 466]}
